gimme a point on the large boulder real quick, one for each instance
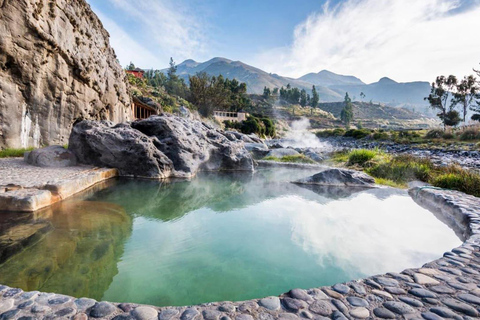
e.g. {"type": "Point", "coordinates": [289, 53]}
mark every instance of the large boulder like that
{"type": "Point", "coordinates": [158, 147]}
{"type": "Point", "coordinates": [339, 177]}
{"type": "Point", "coordinates": [52, 156]}
{"type": "Point", "coordinates": [194, 146]}
{"type": "Point", "coordinates": [119, 146]}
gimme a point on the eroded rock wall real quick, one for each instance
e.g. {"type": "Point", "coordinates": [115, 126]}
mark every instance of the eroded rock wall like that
{"type": "Point", "coordinates": [56, 66]}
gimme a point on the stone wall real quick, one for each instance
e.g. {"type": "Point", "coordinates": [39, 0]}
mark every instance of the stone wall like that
{"type": "Point", "coordinates": [56, 66]}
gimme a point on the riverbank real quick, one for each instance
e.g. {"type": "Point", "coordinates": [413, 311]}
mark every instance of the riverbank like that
{"type": "Point", "coordinates": [27, 188]}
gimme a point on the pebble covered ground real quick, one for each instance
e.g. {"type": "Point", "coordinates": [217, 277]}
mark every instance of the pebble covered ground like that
{"type": "Point", "coordinates": [447, 288]}
{"type": "Point", "coordinates": [14, 171]}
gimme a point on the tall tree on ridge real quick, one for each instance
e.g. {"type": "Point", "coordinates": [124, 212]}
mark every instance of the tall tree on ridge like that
{"type": "Point", "coordinates": [347, 112]}
{"type": "Point", "coordinates": [315, 98]}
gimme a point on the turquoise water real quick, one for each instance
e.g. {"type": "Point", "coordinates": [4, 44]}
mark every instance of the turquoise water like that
{"type": "Point", "coordinates": [217, 237]}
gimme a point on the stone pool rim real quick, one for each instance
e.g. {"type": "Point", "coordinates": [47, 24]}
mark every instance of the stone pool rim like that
{"type": "Point", "coordinates": [382, 296]}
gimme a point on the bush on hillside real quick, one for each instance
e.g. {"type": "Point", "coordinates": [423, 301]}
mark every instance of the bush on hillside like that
{"type": "Point", "coordinates": [357, 133]}
{"type": "Point", "coordinates": [434, 134]}
{"type": "Point", "coordinates": [460, 180]}
{"type": "Point", "coordinates": [470, 134]}
{"type": "Point", "coordinates": [402, 169]}
{"type": "Point", "coordinates": [361, 156]}
{"type": "Point", "coordinates": [338, 132]}
{"type": "Point", "coordinates": [381, 136]}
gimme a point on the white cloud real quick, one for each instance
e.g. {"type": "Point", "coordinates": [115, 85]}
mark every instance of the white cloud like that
{"type": "Point", "coordinates": [126, 48]}
{"type": "Point", "coordinates": [403, 39]}
{"type": "Point", "coordinates": [163, 29]}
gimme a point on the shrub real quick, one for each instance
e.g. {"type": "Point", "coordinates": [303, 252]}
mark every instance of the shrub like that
{"type": "Point", "coordinates": [470, 134]}
{"type": "Point", "coordinates": [381, 136]}
{"type": "Point", "coordinates": [460, 180]}
{"type": "Point", "coordinates": [357, 133]}
{"type": "Point", "coordinates": [402, 169]}
{"type": "Point", "coordinates": [448, 135]}
{"type": "Point", "coordinates": [434, 134]}
{"type": "Point", "coordinates": [338, 132]}
{"type": "Point", "coordinates": [361, 156]}
{"type": "Point", "coordinates": [12, 153]}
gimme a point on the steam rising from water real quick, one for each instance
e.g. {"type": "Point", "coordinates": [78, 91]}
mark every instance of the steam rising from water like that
{"type": "Point", "coordinates": [300, 137]}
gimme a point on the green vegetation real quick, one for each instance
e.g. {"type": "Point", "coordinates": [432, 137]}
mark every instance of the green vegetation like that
{"type": "Point", "coordinates": [293, 159]}
{"type": "Point", "coordinates": [263, 127]}
{"type": "Point", "coordinates": [12, 153]}
{"type": "Point", "coordinates": [347, 112]}
{"type": "Point", "coordinates": [448, 92]}
{"type": "Point", "coordinates": [362, 156]}
{"type": "Point", "coordinates": [406, 136]}
{"type": "Point", "coordinates": [357, 133]}
{"type": "Point", "coordinates": [208, 93]}
{"type": "Point", "coordinates": [470, 134]}
{"type": "Point", "coordinates": [398, 170]}
{"type": "Point", "coordinates": [460, 180]}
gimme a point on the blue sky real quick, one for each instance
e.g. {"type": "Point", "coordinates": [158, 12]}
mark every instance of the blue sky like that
{"type": "Point", "coordinates": [402, 39]}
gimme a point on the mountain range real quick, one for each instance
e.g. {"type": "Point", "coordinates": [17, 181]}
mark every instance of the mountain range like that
{"type": "Point", "coordinates": [330, 86]}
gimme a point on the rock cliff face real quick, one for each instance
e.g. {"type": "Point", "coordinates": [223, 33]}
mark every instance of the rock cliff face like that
{"type": "Point", "coordinates": [56, 66]}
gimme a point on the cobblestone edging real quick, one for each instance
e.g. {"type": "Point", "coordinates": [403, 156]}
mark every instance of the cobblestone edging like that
{"type": "Point", "coordinates": [447, 288]}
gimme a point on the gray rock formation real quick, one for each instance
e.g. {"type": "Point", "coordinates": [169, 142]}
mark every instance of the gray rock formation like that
{"type": "Point", "coordinates": [53, 156]}
{"type": "Point", "coordinates": [339, 177]}
{"type": "Point", "coordinates": [119, 146]}
{"type": "Point", "coordinates": [56, 66]}
{"type": "Point", "coordinates": [158, 147]}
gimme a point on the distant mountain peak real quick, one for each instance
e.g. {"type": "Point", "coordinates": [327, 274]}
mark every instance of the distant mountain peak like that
{"type": "Point", "coordinates": [386, 80]}
{"type": "Point", "coordinates": [327, 78]}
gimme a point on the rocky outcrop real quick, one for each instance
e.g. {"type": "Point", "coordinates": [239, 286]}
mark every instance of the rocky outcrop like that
{"type": "Point", "coordinates": [53, 156]}
{"type": "Point", "coordinates": [159, 147]}
{"type": "Point", "coordinates": [119, 146]}
{"type": "Point", "coordinates": [340, 178]}
{"type": "Point", "coordinates": [56, 66]}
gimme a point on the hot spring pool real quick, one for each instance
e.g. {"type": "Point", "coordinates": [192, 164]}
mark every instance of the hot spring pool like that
{"type": "Point", "coordinates": [218, 237]}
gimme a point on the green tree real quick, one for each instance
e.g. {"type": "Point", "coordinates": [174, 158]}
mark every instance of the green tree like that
{"type": "Point", "coordinates": [266, 92]}
{"type": "Point", "coordinates": [175, 85]}
{"type": "Point", "coordinates": [467, 91]}
{"type": "Point", "coordinates": [476, 106]}
{"type": "Point", "coordinates": [131, 66]}
{"type": "Point", "coordinates": [315, 98]}
{"type": "Point", "coordinates": [440, 96]}
{"type": "Point", "coordinates": [347, 112]}
{"type": "Point", "coordinates": [303, 98]}
{"type": "Point", "coordinates": [452, 118]}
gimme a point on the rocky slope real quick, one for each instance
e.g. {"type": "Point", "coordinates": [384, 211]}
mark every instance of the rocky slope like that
{"type": "Point", "coordinates": [56, 66]}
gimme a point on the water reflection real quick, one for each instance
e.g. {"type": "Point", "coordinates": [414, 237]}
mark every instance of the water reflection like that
{"type": "Point", "coordinates": [77, 256]}
{"type": "Point", "coordinates": [217, 237]}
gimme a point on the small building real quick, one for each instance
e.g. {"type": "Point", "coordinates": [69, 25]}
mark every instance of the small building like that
{"type": "Point", "coordinates": [141, 110]}
{"type": "Point", "coordinates": [137, 72]}
{"type": "Point", "coordinates": [230, 116]}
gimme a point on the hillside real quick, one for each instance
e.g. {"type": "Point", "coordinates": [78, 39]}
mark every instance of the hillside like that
{"type": "Point", "coordinates": [331, 86]}
{"type": "Point", "coordinates": [367, 111]}
{"type": "Point", "coordinates": [256, 79]}
{"type": "Point", "coordinates": [389, 91]}
{"type": "Point", "coordinates": [326, 78]}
